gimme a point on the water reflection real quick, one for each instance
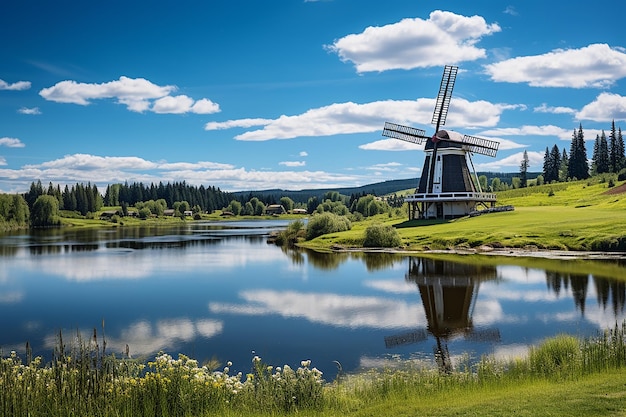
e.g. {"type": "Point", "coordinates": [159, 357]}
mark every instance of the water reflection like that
{"type": "Point", "coordinates": [608, 291]}
{"type": "Point", "coordinates": [448, 291]}
{"type": "Point", "coordinates": [210, 291]}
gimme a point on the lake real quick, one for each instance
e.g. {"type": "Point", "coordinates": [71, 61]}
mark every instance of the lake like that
{"type": "Point", "coordinates": [218, 290]}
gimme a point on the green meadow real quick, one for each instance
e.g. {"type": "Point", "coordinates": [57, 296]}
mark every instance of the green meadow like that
{"type": "Point", "coordinates": [585, 215]}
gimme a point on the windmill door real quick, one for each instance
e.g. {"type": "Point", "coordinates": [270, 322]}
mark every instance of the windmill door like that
{"type": "Point", "coordinates": [437, 175]}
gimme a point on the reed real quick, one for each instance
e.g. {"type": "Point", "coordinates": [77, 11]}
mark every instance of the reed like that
{"type": "Point", "coordinates": [83, 379]}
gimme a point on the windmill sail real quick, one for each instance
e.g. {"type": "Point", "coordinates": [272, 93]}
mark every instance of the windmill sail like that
{"type": "Point", "coordinates": [445, 94]}
{"type": "Point", "coordinates": [405, 133]}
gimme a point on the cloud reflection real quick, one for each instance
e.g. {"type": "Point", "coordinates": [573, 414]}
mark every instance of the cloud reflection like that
{"type": "Point", "coordinates": [145, 338]}
{"type": "Point", "coordinates": [92, 267]}
{"type": "Point", "coordinates": [331, 309]}
{"type": "Point", "coordinates": [392, 286]}
{"type": "Point", "coordinates": [10, 297]}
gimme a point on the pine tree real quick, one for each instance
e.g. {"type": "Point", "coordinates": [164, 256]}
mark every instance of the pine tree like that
{"type": "Point", "coordinates": [555, 157]}
{"type": "Point", "coordinates": [613, 150]}
{"type": "Point", "coordinates": [546, 165]}
{"type": "Point", "coordinates": [564, 167]}
{"type": "Point", "coordinates": [620, 151]}
{"type": "Point", "coordinates": [601, 160]}
{"type": "Point", "coordinates": [523, 170]}
{"type": "Point", "coordinates": [578, 163]}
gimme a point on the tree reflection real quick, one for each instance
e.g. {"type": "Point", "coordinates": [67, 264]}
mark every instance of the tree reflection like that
{"type": "Point", "coordinates": [448, 291]}
{"type": "Point", "coordinates": [326, 261]}
{"type": "Point", "coordinates": [608, 291]}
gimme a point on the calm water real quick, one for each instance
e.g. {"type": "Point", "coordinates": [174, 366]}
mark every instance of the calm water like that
{"type": "Point", "coordinates": [219, 291]}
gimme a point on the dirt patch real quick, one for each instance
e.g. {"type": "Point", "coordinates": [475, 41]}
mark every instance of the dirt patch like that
{"type": "Point", "coordinates": [616, 190]}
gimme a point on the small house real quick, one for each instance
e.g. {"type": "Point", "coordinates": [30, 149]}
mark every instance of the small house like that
{"type": "Point", "coordinates": [275, 209]}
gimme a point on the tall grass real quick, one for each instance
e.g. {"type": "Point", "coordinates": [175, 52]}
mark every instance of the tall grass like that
{"type": "Point", "coordinates": [82, 380]}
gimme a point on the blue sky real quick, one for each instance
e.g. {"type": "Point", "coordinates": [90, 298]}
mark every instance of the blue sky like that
{"type": "Point", "coordinates": [293, 94]}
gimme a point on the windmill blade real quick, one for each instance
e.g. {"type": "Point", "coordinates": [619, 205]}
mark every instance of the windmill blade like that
{"type": "Point", "coordinates": [406, 338]}
{"type": "Point", "coordinates": [405, 133]}
{"type": "Point", "coordinates": [445, 94]}
{"type": "Point", "coordinates": [484, 335]}
{"type": "Point", "coordinates": [480, 145]}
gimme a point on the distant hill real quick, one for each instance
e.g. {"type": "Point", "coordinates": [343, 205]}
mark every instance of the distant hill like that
{"type": "Point", "coordinates": [379, 188]}
{"type": "Point", "coordinates": [302, 196]}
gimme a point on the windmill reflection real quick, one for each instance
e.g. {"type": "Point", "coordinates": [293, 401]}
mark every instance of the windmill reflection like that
{"type": "Point", "coordinates": [448, 291]}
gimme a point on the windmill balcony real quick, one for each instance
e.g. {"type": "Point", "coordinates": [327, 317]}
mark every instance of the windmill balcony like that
{"type": "Point", "coordinates": [456, 196]}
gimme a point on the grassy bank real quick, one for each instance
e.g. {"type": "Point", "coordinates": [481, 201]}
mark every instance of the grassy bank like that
{"type": "Point", "coordinates": [563, 376]}
{"type": "Point", "coordinates": [574, 216]}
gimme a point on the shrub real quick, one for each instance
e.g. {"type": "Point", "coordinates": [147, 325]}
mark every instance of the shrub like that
{"type": "Point", "coordinates": [381, 236]}
{"type": "Point", "coordinates": [291, 234]}
{"type": "Point", "coordinates": [556, 356]}
{"type": "Point", "coordinates": [325, 223]}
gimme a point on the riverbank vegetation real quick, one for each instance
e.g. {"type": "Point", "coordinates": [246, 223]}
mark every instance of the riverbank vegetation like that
{"type": "Point", "coordinates": [82, 380]}
{"type": "Point", "coordinates": [585, 215]}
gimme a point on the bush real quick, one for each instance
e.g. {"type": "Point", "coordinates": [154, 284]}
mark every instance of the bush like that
{"type": "Point", "coordinates": [291, 234]}
{"type": "Point", "coordinates": [325, 223]}
{"type": "Point", "coordinates": [556, 356]}
{"type": "Point", "coordinates": [381, 236]}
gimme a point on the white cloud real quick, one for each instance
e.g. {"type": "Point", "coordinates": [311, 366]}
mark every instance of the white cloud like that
{"type": "Point", "coordinates": [205, 106]}
{"type": "Point", "coordinates": [535, 160]}
{"type": "Point", "coordinates": [528, 130]}
{"type": "Point", "coordinates": [390, 145]}
{"type": "Point", "coordinates": [389, 167]}
{"type": "Point", "coordinates": [20, 85]}
{"type": "Point", "coordinates": [544, 108]}
{"type": "Point", "coordinates": [184, 104]}
{"type": "Point", "coordinates": [444, 38]}
{"type": "Point", "coordinates": [596, 65]}
{"type": "Point", "coordinates": [93, 162]}
{"type": "Point", "coordinates": [244, 123]}
{"type": "Point", "coordinates": [106, 170]}
{"type": "Point", "coordinates": [349, 117]}
{"type": "Point", "coordinates": [26, 110]}
{"type": "Point", "coordinates": [605, 108]}
{"type": "Point", "coordinates": [510, 10]}
{"type": "Point", "coordinates": [11, 142]}
{"type": "Point", "coordinates": [303, 154]}
{"type": "Point", "coordinates": [293, 163]}
{"type": "Point", "coordinates": [136, 93]}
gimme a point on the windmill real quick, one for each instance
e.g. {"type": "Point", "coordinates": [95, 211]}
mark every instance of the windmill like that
{"type": "Point", "coordinates": [448, 291]}
{"type": "Point", "coordinates": [446, 188]}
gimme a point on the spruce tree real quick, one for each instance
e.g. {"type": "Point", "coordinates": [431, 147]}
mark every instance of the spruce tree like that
{"type": "Point", "coordinates": [553, 165]}
{"type": "Point", "coordinates": [578, 163]}
{"type": "Point", "coordinates": [600, 160]}
{"type": "Point", "coordinates": [564, 167]}
{"type": "Point", "coordinates": [620, 150]}
{"type": "Point", "coordinates": [547, 164]}
{"type": "Point", "coordinates": [613, 150]}
{"type": "Point", "coordinates": [523, 170]}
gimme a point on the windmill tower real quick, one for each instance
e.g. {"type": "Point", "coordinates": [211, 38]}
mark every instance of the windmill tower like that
{"type": "Point", "coordinates": [447, 188]}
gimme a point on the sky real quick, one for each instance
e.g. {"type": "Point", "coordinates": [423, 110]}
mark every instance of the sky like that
{"type": "Point", "coordinates": [293, 94]}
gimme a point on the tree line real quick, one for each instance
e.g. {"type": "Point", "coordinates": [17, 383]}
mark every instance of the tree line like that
{"type": "Point", "coordinates": [608, 157]}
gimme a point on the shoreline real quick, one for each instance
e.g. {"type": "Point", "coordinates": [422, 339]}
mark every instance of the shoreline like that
{"type": "Point", "coordinates": [530, 252]}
